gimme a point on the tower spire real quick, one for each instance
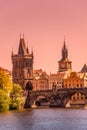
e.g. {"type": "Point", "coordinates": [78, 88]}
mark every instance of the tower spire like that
{"type": "Point", "coordinates": [22, 46]}
{"type": "Point", "coordinates": [64, 51]}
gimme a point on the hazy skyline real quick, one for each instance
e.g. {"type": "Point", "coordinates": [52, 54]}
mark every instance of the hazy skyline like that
{"type": "Point", "coordinates": [44, 24]}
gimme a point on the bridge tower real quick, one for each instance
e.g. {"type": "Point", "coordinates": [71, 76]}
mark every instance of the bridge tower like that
{"type": "Point", "coordinates": [64, 64]}
{"type": "Point", "coordinates": [22, 69]}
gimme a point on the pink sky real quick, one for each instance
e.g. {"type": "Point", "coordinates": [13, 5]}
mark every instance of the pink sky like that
{"type": "Point", "coordinates": [44, 24]}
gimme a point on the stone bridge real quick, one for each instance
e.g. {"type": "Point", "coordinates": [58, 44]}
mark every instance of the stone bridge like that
{"type": "Point", "coordinates": [58, 98]}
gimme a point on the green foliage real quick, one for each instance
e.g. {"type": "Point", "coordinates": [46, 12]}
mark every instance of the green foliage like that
{"type": "Point", "coordinates": [5, 82]}
{"type": "Point", "coordinates": [17, 89]}
{"type": "Point", "coordinates": [16, 96]}
{"type": "Point", "coordinates": [4, 101]}
{"type": "Point", "coordinates": [5, 88]}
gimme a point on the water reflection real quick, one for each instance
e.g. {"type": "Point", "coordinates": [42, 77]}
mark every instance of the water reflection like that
{"type": "Point", "coordinates": [44, 119]}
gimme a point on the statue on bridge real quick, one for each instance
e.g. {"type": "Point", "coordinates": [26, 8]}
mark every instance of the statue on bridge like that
{"type": "Point", "coordinates": [29, 87]}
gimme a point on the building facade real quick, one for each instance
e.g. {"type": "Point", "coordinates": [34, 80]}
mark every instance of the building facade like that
{"type": "Point", "coordinates": [75, 80]}
{"type": "Point", "coordinates": [22, 69]}
{"type": "Point", "coordinates": [83, 73]}
{"type": "Point", "coordinates": [56, 79]}
{"type": "Point", "coordinates": [40, 80]}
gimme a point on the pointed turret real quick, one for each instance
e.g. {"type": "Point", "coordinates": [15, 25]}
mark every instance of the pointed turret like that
{"type": "Point", "coordinates": [12, 53]}
{"type": "Point", "coordinates": [32, 53]}
{"type": "Point", "coordinates": [27, 49]}
{"type": "Point", "coordinates": [84, 69]}
{"type": "Point", "coordinates": [64, 51]}
{"type": "Point", "coordinates": [22, 46]}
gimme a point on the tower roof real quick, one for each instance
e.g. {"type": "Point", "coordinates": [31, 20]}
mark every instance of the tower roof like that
{"type": "Point", "coordinates": [64, 51]}
{"type": "Point", "coordinates": [84, 68]}
{"type": "Point", "coordinates": [22, 47]}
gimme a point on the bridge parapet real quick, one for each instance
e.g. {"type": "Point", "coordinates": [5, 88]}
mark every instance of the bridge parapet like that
{"type": "Point", "coordinates": [61, 95]}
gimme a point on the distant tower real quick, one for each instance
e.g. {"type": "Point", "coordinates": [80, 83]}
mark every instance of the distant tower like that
{"type": "Point", "coordinates": [64, 64]}
{"type": "Point", "coordinates": [22, 70]}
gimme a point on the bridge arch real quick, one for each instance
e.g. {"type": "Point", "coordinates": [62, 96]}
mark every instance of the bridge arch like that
{"type": "Point", "coordinates": [38, 97]}
{"type": "Point", "coordinates": [39, 101]}
{"type": "Point", "coordinates": [78, 96]}
{"type": "Point", "coordinates": [75, 98]}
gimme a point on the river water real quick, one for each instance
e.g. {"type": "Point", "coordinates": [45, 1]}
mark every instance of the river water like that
{"type": "Point", "coordinates": [45, 119]}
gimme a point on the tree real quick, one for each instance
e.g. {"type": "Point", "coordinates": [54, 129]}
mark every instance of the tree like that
{"type": "Point", "coordinates": [5, 88]}
{"type": "Point", "coordinates": [4, 101]}
{"type": "Point", "coordinates": [5, 82]}
{"type": "Point", "coordinates": [16, 98]}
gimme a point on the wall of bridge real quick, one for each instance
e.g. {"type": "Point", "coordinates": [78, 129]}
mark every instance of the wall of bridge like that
{"type": "Point", "coordinates": [61, 97]}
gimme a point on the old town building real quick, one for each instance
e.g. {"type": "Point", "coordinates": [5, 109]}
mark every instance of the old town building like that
{"type": "Point", "coordinates": [56, 79]}
{"type": "Point", "coordinates": [40, 80]}
{"type": "Point", "coordinates": [75, 80]}
{"type": "Point", "coordinates": [22, 70]}
{"type": "Point", "coordinates": [83, 73]}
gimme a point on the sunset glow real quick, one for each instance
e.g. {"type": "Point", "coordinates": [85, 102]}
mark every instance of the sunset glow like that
{"type": "Point", "coordinates": [44, 24]}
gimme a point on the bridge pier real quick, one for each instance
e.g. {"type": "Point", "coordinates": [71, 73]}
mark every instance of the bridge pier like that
{"type": "Point", "coordinates": [57, 101]}
{"type": "Point", "coordinates": [27, 102]}
{"type": "Point", "coordinates": [61, 105]}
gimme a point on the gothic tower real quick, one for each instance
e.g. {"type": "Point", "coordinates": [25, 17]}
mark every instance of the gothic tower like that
{"type": "Point", "coordinates": [22, 71]}
{"type": "Point", "coordinates": [64, 64]}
